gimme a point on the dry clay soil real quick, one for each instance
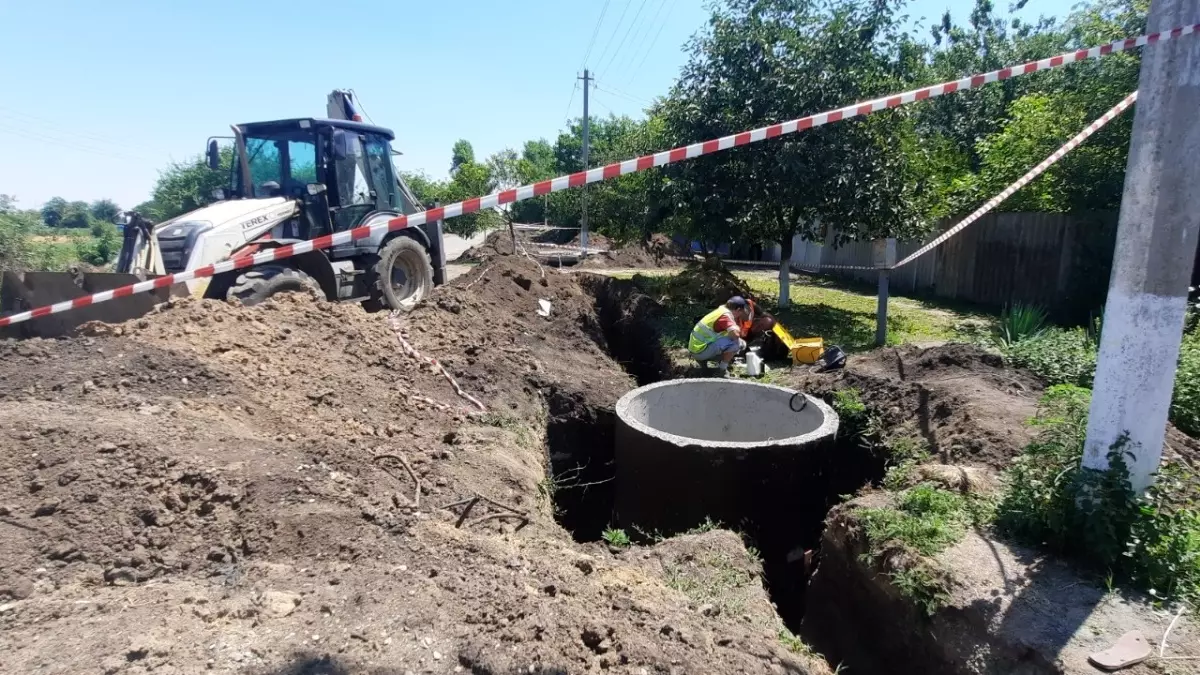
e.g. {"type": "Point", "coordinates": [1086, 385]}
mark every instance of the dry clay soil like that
{"type": "Point", "coordinates": [216, 488]}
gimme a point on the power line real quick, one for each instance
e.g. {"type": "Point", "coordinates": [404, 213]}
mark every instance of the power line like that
{"type": "Point", "coordinates": [570, 101]}
{"type": "Point", "coordinates": [74, 145]}
{"type": "Point", "coordinates": [626, 35]}
{"type": "Point", "coordinates": [25, 120]}
{"type": "Point", "coordinates": [650, 49]}
{"type": "Point", "coordinates": [639, 39]}
{"type": "Point", "coordinates": [595, 32]}
{"type": "Point", "coordinates": [616, 28]}
{"type": "Point", "coordinates": [625, 95]}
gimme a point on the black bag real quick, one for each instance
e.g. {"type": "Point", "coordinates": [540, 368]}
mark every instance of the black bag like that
{"type": "Point", "coordinates": [831, 359]}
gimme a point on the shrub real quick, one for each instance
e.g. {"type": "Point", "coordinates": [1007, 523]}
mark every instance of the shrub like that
{"type": "Point", "coordinates": [1050, 499]}
{"type": "Point", "coordinates": [1019, 323]}
{"type": "Point", "coordinates": [1058, 356]}
{"type": "Point", "coordinates": [1185, 405]}
{"type": "Point", "coordinates": [616, 538]}
{"type": "Point", "coordinates": [848, 404]}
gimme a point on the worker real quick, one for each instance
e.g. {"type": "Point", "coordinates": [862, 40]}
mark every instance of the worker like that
{"type": "Point", "coordinates": [718, 335]}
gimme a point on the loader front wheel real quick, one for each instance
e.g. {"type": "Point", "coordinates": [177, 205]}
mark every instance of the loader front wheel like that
{"type": "Point", "coordinates": [259, 283]}
{"type": "Point", "coordinates": [404, 275]}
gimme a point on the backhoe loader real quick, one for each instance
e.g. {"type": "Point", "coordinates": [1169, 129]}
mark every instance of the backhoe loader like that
{"type": "Point", "coordinates": [289, 181]}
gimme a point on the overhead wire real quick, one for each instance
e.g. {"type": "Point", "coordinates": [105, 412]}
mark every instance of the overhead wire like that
{"type": "Point", "coordinates": [567, 112]}
{"type": "Point", "coordinates": [625, 36]}
{"type": "Point", "coordinates": [616, 28]}
{"type": "Point", "coordinates": [650, 49]}
{"type": "Point", "coordinates": [595, 32]}
{"type": "Point", "coordinates": [639, 40]}
{"type": "Point", "coordinates": [625, 95]}
{"type": "Point", "coordinates": [26, 120]}
{"type": "Point", "coordinates": [67, 143]}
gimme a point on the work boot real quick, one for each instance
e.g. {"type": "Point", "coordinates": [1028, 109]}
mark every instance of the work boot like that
{"type": "Point", "coordinates": [722, 369]}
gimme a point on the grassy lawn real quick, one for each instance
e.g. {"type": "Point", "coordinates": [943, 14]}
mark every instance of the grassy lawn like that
{"type": "Point", "coordinates": [842, 314]}
{"type": "Point", "coordinates": [846, 316]}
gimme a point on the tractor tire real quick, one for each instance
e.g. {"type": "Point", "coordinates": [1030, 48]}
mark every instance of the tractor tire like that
{"type": "Point", "coordinates": [403, 275]}
{"type": "Point", "coordinates": [259, 283]}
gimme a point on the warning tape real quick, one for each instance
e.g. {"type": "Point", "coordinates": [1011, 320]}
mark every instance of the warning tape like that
{"type": "Point", "coordinates": [602, 173]}
{"type": "Point", "coordinates": [1023, 180]}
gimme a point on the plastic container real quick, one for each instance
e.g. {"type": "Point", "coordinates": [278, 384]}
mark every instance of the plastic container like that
{"type": "Point", "coordinates": [754, 364]}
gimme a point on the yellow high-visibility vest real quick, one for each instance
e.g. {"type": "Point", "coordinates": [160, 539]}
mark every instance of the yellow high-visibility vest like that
{"type": "Point", "coordinates": [703, 333]}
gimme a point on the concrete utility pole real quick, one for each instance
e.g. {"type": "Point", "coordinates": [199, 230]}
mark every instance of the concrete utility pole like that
{"type": "Point", "coordinates": [1152, 263]}
{"type": "Point", "coordinates": [583, 225]}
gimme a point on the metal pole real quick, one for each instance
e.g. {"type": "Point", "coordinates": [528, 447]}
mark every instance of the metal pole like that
{"type": "Point", "coordinates": [1152, 263]}
{"type": "Point", "coordinates": [583, 230]}
{"type": "Point", "coordinates": [881, 309]}
{"type": "Point", "coordinates": [884, 254]}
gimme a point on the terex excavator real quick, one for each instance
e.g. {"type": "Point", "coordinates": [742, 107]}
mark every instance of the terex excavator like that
{"type": "Point", "coordinates": [290, 180]}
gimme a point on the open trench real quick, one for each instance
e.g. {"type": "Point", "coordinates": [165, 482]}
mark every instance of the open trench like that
{"type": "Point", "coordinates": [784, 519]}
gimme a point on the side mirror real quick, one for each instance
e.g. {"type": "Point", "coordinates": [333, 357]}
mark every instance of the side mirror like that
{"type": "Point", "coordinates": [315, 189]}
{"type": "Point", "coordinates": [341, 144]}
{"type": "Point", "coordinates": [213, 155]}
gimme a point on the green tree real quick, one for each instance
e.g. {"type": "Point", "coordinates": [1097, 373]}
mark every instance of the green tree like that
{"type": "Point", "coordinates": [15, 226]}
{"type": "Point", "coordinates": [104, 210]}
{"type": "Point", "coordinates": [52, 211]}
{"type": "Point", "coordinates": [764, 61]}
{"type": "Point", "coordinates": [427, 190]}
{"type": "Point", "coordinates": [462, 153]}
{"type": "Point", "coordinates": [76, 216]}
{"type": "Point", "coordinates": [471, 179]}
{"type": "Point", "coordinates": [183, 187]}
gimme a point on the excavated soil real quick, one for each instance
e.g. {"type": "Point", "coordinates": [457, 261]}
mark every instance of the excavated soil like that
{"type": "Point", "coordinates": [970, 407]}
{"type": "Point", "coordinates": [659, 252]}
{"type": "Point", "coordinates": [214, 488]}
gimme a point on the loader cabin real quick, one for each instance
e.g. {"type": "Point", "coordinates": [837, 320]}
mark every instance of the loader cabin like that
{"type": "Point", "coordinates": [350, 163]}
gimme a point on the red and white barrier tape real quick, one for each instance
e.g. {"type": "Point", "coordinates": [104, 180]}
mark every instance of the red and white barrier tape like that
{"type": "Point", "coordinates": [602, 173]}
{"type": "Point", "coordinates": [1023, 180]}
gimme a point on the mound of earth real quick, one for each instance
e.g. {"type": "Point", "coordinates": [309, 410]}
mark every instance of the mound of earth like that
{"type": "Point", "coordinates": [284, 488]}
{"type": "Point", "coordinates": [707, 282]}
{"type": "Point", "coordinates": [660, 251]}
{"type": "Point", "coordinates": [970, 407]}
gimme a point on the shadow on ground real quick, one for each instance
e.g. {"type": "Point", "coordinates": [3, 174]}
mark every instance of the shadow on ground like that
{"type": "Point", "coordinates": [311, 664]}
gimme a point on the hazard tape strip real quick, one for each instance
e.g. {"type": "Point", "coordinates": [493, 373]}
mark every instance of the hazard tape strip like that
{"type": "Point", "coordinates": [603, 173]}
{"type": "Point", "coordinates": [1023, 180]}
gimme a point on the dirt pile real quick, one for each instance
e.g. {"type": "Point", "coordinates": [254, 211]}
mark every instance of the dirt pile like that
{"type": "Point", "coordinates": [282, 489]}
{"type": "Point", "coordinates": [659, 252]}
{"type": "Point", "coordinates": [708, 282]}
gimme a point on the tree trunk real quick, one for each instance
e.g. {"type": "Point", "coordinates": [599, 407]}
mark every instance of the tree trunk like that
{"type": "Point", "coordinates": [785, 268]}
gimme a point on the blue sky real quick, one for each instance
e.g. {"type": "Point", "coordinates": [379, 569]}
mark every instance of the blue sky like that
{"type": "Point", "coordinates": [97, 97]}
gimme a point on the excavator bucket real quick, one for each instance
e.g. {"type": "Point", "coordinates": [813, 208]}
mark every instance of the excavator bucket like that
{"type": "Point", "coordinates": [21, 291]}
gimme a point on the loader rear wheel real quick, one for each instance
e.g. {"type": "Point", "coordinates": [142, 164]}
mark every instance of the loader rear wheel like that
{"type": "Point", "coordinates": [404, 275]}
{"type": "Point", "coordinates": [259, 283]}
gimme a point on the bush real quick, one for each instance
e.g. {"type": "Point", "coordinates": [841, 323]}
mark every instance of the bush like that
{"type": "Point", "coordinates": [1019, 323]}
{"type": "Point", "coordinates": [1185, 405]}
{"type": "Point", "coordinates": [1058, 356]}
{"type": "Point", "coordinates": [1152, 541]}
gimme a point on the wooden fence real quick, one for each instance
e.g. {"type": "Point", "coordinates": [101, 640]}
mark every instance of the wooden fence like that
{"type": "Point", "coordinates": [1059, 261]}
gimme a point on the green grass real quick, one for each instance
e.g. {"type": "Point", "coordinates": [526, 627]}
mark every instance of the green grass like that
{"type": "Point", "coordinates": [713, 580]}
{"type": "Point", "coordinates": [842, 314]}
{"type": "Point", "coordinates": [846, 317]}
{"type": "Point", "coordinates": [924, 521]}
